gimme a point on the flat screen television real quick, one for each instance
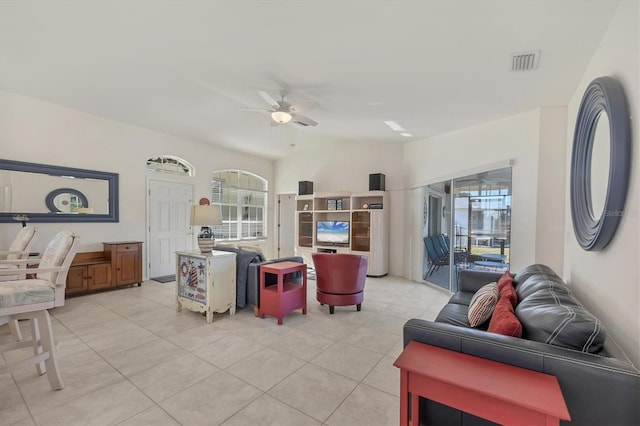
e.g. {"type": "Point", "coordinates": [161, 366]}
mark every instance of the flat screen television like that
{"type": "Point", "coordinates": [332, 232]}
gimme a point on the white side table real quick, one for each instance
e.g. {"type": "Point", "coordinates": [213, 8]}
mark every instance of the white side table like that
{"type": "Point", "coordinates": [206, 282]}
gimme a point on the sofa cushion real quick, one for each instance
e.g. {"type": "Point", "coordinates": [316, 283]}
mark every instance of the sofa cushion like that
{"type": "Point", "coordinates": [456, 314]}
{"type": "Point", "coordinates": [462, 298]}
{"type": "Point", "coordinates": [541, 271]}
{"type": "Point", "coordinates": [482, 304]}
{"type": "Point", "coordinates": [540, 282]}
{"type": "Point", "coordinates": [552, 315]}
{"type": "Point", "coordinates": [504, 320]}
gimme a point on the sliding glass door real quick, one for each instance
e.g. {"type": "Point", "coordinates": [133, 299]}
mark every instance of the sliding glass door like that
{"type": "Point", "coordinates": [436, 265]}
{"type": "Point", "coordinates": [467, 226]}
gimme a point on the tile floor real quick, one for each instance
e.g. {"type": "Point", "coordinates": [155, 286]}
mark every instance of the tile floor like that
{"type": "Point", "coordinates": [128, 358]}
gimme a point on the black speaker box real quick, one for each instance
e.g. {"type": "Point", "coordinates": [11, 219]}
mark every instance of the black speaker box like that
{"type": "Point", "coordinates": [305, 187]}
{"type": "Point", "coordinates": [376, 182]}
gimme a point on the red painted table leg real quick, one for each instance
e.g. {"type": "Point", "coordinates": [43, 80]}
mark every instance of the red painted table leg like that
{"type": "Point", "coordinates": [404, 400]}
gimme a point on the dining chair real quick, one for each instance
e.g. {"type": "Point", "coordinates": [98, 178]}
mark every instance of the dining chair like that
{"type": "Point", "coordinates": [30, 299]}
{"type": "Point", "coordinates": [20, 248]}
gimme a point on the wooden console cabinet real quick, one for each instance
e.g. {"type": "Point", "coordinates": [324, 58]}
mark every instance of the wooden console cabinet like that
{"type": "Point", "coordinates": [126, 262]}
{"type": "Point", "coordinates": [119, 264]}
{"type": "Point", "coordinates": [89, 271]}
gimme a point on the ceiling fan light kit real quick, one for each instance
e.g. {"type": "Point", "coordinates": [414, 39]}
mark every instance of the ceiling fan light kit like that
{"type": "Point", "coordinates": [283, 112]}
{"type": "Point", "coordinates": [281, 117]}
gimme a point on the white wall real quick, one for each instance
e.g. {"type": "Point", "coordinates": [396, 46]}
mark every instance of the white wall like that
{"type": "Point", "coordinates": [41, 132]}
{"type": "Point", "coordinates": [345, 166]}
{"type": "Point", "coordinates": [460, 152]}
{"type": "Point", "coordinates": [550, 211]}
{"type": "Point", "coordinates": [607, 282]}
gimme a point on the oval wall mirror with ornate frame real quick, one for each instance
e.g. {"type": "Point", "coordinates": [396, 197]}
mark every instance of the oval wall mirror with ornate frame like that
{"type": "Point", "coordinates": [66, 200]}
{"type": "Point", "coordinates": [604, 112]}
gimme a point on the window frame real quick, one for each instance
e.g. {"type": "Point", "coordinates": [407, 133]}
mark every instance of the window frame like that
{"type": "Point", "coordinates": [179, 166]}
{"type": "Point", "coordinates": [244, 217]}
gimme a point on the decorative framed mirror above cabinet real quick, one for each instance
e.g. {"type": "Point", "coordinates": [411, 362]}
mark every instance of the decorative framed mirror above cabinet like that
{"type": "Point", "coordinates": [46, 193]}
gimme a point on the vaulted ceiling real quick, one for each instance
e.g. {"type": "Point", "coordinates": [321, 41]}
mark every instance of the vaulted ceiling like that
{"type": "Point", "coordinates": [188, 68]}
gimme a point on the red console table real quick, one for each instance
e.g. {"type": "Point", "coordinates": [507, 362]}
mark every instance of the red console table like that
{"type": "Point", "coordinates": [498, 392]}
{"type": "Point", "coordinates": [278, 300]}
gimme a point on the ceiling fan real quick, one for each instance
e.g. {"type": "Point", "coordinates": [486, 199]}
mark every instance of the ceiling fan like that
{"type": "Point", "coordinates": [283, 112]}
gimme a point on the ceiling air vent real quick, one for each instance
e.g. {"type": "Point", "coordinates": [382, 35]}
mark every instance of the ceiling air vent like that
{"type": "Point", "coordinates": [525, 61]}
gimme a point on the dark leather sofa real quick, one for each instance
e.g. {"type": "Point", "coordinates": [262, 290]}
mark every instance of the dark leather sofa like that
{"type": "Point", "coordinates": [599, 385]}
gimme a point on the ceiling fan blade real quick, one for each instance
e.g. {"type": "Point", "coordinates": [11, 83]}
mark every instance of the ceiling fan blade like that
{"type": "Point", "coordinates": [303, 121]}
{"type": "Point", "coordinates": [304, 106]}
{"type": "Point", "coordinates": [269, 99]}
{"type": "Point", "coordinates": [255, 109]}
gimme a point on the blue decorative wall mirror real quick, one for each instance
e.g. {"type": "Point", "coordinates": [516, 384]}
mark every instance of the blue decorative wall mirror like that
{"type": "Point", "coordinates": [600, 163]}
{"type": "Point", "coordinates": [45, 193]}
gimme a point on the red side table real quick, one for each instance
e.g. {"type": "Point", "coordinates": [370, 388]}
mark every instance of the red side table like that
{"type": "Point", "coordinates": [278, 300]}
{"type": "Point", "coordinates": [492, 390]}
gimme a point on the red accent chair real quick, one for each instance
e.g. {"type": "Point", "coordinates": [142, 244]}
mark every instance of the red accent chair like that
{"type": "Point", "coordinates": [340, 279]}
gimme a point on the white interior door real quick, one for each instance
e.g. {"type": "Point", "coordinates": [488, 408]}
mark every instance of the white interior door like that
{"type": "Point", "coordinates": [169, 229]}
{"type": "Point", "coordinates": [286, 224]}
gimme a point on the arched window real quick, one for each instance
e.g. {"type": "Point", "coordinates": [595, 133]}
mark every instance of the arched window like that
{"type": "Point", "coordinates": [170, 164]}
{"type": "Point", "coordinates": [242, 197]}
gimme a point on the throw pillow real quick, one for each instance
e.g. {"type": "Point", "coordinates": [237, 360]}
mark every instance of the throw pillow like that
{"type": "Point", "coordinates": [506, 289]}
{"type": "Point", "coordinates": [482, 304]}
{"type": "Point", "coordinates": [504, 320]}
{"type": "Point", "coordinates": [506, 280]}
{"type": "Point", "coordinates": [509, 293]}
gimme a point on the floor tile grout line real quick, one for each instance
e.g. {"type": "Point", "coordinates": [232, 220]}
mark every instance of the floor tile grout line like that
{"type": "Point", "coordinates": [266, 392]}
{"type": "Point", "coordinates": [157, 404]}
{"type": "Point", "coordinates": [125, 378]}
{"type": "Point", "coordinates": [305, 362]}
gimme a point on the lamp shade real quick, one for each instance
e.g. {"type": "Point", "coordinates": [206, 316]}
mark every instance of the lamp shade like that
{"type": "Point", "coordinates": [206, 215]}
{"type": "Point", "coordinates": [281, 116]}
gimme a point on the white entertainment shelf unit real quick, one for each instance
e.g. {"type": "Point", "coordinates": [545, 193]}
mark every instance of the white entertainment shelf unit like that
{"type": "Point", "coordinates": [367, 214]}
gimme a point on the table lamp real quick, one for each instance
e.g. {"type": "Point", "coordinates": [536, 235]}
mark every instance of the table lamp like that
{"type": "Point", "coordinates": [206, 216]}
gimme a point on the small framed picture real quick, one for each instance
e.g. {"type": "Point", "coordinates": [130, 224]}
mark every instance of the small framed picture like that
{"type": "Point", "coordinates": [339, 204]}
{"type": "Point", "coordinates": [305, 207]}
{"type": "Point", "coordinates": [331, 204]}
